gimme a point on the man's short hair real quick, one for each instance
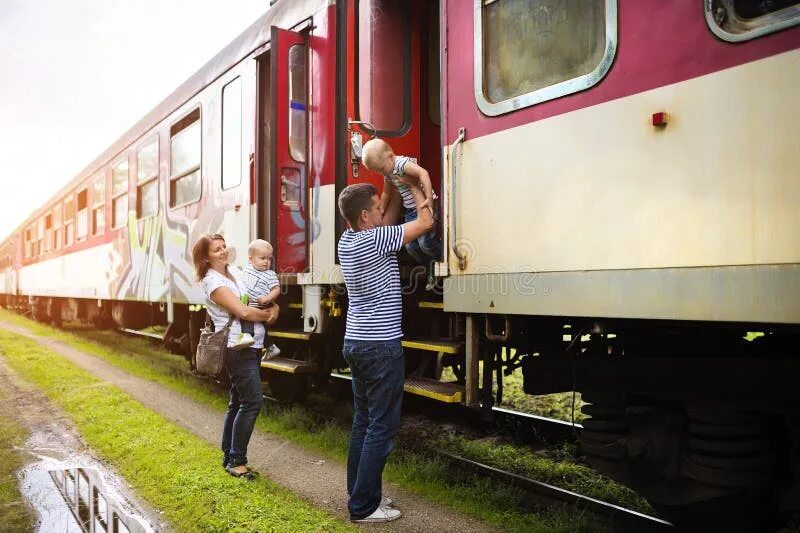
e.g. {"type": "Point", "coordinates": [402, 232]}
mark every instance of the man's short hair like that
{"type": "Point", "coordinates": [372, 153]}
{"type": "Point", "coordinates": [355, 198]}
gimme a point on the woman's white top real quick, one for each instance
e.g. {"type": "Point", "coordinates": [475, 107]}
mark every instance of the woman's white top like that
{"type": "Point", "coordinates": [212, 281]}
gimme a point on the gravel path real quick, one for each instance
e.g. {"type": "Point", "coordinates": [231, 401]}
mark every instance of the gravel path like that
{"type": "Point", "coordinates": [314, 479]}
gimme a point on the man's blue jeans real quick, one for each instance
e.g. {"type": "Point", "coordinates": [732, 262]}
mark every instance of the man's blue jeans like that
{"type": "Point", "coordinates": [246, 397]}
{"type": "Point", "coordinates": [378, 371]}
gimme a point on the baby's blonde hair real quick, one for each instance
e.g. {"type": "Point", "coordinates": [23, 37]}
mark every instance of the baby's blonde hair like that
{"type": "Point", "coordinates": [372, 153]}
{"type": "Point", "coordinates": [258, 244]}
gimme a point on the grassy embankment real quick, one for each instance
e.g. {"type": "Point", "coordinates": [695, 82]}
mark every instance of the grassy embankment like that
{"type": "Point", "coordinates": [420, 474]}
{"type": "Point", "coordinates": [15, 514]}
{"type": "Point", "coordinates": [175, 471]}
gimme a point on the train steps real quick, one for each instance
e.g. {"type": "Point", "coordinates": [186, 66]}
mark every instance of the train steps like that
{"type": "Point", "coordinates": [289, 366]}
{"type": "Point", "coordinates": [285, 364]}
{"type": "Point", "coordinates": [435, 390]}
{"type": "Point", "coordinates": [429, 388]}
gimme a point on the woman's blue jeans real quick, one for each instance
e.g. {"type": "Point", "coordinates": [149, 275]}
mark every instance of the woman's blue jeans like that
{"type": "Point", "coordinates": [246, 397]}
{"type": "Point", "coordinates": [378, 371]}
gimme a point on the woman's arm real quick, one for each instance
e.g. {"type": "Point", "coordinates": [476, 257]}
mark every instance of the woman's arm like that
{"type": "Point", "coordinates": [224, 297]}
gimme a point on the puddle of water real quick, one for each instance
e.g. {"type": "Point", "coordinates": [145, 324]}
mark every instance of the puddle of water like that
{"type": "Point", "coordinates": [73, 493]}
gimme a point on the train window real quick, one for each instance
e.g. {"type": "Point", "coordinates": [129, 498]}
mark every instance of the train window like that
{"type": "Point", "coordinates": [69, 221]}
{"type": "Point", "coordinates": [232, 134]}
{"type": "Point", "coordinates": [741, 20]}
{"type": "Point", "coordinates": [48, 232]}
{"type": "Point", "coordinates": [56, 227]}
{"type": "Point", "coordinates": [99, 205]}
{"type": "Point", "coordinates": [530, 54]}
{"type": "Point", "coordinates": [147, 180]}
{"type": "Point", "coordinates": [119, 194]}
{"type": "Point", "coordinates": [28, 246]}
{"type": "Point", "coordinates": [383, 44]}
{"type": "Point", "coordinates": [82, 230]}
{"type": "Point", "coordinates": [184, 160]}
{"type": "Point", "coordinates": [40, 236]}
{"type": "Point", "coordinates": [297, 102]}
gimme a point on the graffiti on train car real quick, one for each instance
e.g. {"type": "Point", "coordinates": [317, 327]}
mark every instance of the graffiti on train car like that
{"type": "Point", "coordinates": [156, 256]}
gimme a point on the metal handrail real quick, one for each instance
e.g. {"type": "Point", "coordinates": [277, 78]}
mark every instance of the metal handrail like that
{"type": "Point", "coordinates": [462, 259]}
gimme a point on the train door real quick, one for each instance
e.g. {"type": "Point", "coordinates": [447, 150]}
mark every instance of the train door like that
{"type": "Point", "coordinates": [261, 165]}
{"type": "Point", "coordinates": [394, 89]}
{"type": "Point", "coordinates": [288, 149]}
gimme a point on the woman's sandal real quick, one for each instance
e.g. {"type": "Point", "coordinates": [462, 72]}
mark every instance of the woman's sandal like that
{"type": "Point", "coordinates": [241, 471]}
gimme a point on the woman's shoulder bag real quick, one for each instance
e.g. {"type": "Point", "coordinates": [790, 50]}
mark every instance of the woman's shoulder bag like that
{"type": "Point", "coordinates": [210, 354]}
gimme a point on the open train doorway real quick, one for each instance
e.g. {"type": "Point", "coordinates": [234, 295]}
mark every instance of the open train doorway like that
{"type": "Point", "coordinates": [394, 92]}
{"type": "Point", "coordinates": [261, 167]}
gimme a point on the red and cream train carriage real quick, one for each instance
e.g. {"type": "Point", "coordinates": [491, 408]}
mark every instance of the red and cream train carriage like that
{"type": "Point", "coordinates": [624, 173]}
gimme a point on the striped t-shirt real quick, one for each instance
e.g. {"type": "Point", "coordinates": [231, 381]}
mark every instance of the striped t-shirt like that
{"type": "Point", "coordinates": [219, 316]}
{"type": "Point", "coordinates": [372, 278]}
{"type": "Point", "coordinates": [258, 282]}
{"type": "Point", "coordinates": [398, 171]}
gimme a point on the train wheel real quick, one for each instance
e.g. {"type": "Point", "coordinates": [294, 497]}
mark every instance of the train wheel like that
{"type": "Point", "coordinates": [701, 468]}
{"type": "Point", "coordinates": [290, 388]}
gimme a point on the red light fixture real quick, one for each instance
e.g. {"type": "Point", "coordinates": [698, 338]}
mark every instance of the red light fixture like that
{"type": "Point", "coordinates": [660, 119]}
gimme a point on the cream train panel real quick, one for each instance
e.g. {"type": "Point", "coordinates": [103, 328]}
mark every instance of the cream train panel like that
{"type": "Point", "coordinates": [84, 274]}
{"type": "Point", "coordinates": [324, 211]}
{"type": "Point", "coordinates": [601, 188]}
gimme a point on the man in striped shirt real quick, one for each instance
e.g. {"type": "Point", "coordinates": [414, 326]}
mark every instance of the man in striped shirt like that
{"type": "Point", "coordinates": [368, 256]}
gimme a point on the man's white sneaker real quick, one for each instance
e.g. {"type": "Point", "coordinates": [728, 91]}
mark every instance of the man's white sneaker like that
{"type": "Point", "coordinates": [381, 514]}
{"type": "Point", "coordinates": [244, 340]}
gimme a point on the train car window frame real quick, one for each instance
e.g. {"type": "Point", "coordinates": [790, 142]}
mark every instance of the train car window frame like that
{"type": "Point", "coordinates": [99, 205]}
{"type": "Point", "coordinates": [48, 232]}
{"type": "Point", "coordinates": [726, 23]}
{"type": "Point", "coordinates": [82, 215]}
{"type": "Point", "coordinates": [69, 221]}
{"type": "Point", "coordinates": [39, 242]}
{"type": "Point", "coordinates": [178, 131]}
{"type": "Point", "coordinates": [56, 227]}
{"type": "Point", "coordinates": [119, 192]}
{"type": "Point", "coordinates": [549, 92]}
{"type": "Point", "coordinates": [359, 73]}
{"type": "Point", "coordinates": [147, 180]}
{"type": "Point", "coordinates": [27, 247]}
{"type": "Point", "coordinates": [231, 160]}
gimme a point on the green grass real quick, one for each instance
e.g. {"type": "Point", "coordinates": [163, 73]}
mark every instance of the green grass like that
{"type": "Point", "coordinates": [560, 405]}
{"type": "Point", "coordinates": [175, 471]}
{"type": "Point", "coordinates": [479, 498]}
{"type": "Point", "coordinates": [564, 474]}
{"type": "Point", "coordinates": [15, 514]}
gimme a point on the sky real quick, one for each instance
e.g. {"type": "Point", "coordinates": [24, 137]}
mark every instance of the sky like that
{"type": "Point", "coordinates": [76, 74]}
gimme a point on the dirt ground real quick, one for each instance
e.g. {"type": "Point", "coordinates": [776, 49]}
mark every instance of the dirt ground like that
{"type": "Point", "coordinates": [54, 439]}
{"type": "Point", "coordinates": [320, 482]}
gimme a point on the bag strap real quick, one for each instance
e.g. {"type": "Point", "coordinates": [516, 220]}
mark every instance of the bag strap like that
{"type": "Point", "coordinates": [210, 323]}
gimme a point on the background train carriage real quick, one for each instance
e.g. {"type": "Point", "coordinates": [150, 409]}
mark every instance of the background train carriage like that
{"type": "Point", "coordinates": [623, 172]}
